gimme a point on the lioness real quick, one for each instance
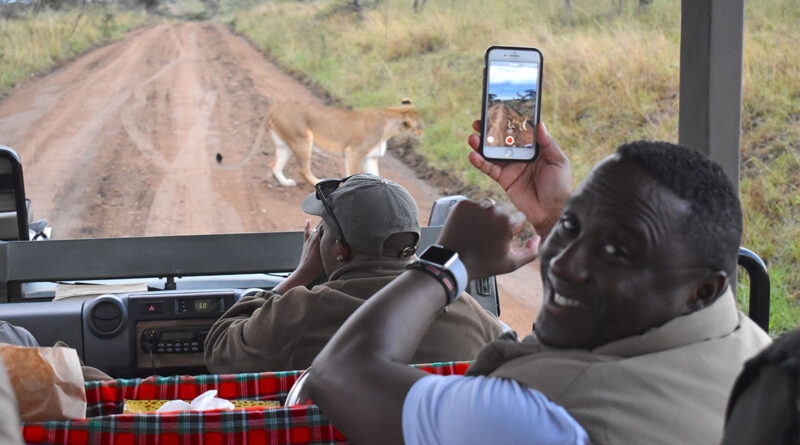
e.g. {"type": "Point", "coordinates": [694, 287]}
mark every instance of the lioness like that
{"type": "Point", "coordinates": [520, 122]}
{"type": "Point", "coordinates": [360, 136]}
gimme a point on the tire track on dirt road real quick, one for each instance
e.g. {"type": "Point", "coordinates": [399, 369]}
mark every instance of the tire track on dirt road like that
{"type": "Point", "coordinates": [122, 142]}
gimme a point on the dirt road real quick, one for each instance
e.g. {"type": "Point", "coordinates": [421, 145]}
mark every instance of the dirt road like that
{"type": "Point", "coordinates": [123, 142]}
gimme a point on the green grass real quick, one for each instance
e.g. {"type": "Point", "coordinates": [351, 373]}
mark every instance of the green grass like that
{"type": "Point", "coordinates": [34, 42]}
{"type": "Point", "coordinates": [610, 76]}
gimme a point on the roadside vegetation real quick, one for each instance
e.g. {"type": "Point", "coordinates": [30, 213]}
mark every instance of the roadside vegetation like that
{"type": "Point", "coordinates": [33, 41]}
{"type": "Point", "coordinates": [610, 75]}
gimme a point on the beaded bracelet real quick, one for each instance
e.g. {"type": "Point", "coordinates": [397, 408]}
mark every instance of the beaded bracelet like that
{"type": "Point", "coordinates": [444, 278]}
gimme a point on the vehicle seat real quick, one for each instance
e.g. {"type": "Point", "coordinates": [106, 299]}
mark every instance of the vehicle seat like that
{"type": "Point", "coordinates": [14, 208]}
{"type": "Point", "coordinates": [483, 290]}
{"type": "Point", "coordinates": [759, 287]}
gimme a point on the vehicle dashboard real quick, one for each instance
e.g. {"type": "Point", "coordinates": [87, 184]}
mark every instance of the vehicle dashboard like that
{"type": "Point", "coordinates": [130, 335]}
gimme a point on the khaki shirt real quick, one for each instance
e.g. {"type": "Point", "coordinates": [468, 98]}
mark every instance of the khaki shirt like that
{"type": "Point", "coordinates": [669, 385]}
{"type": "Point", "coordinates": [272, 332]}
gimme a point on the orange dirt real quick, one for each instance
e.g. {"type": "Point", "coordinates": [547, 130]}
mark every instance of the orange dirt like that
{"type": "Point", "coordinates": [123, 142]}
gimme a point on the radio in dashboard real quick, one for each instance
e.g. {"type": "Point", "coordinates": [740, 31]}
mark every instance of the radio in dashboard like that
{"type": "Point", "coordinates": [174, 340]}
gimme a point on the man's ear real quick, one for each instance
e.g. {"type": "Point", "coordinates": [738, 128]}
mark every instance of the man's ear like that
{"type": "Point", "coordinates": [343, 251]}
{"type": "Point", "coordinates": [707, 290]}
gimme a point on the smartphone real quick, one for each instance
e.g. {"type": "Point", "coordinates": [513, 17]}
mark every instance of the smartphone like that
{"type": "Point", "coordinates": [512, 79]}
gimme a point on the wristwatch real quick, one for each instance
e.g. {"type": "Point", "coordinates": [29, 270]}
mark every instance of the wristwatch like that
{"type": "Point", "coordinates": [446, 266]}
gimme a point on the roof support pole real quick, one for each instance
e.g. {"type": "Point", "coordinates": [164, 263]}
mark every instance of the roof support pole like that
{"type": "Point", "coordinates": [711, 80]}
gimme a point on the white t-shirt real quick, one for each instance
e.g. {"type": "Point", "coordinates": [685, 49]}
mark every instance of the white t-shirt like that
{"type": "Point", "coordinates": [482, 410]}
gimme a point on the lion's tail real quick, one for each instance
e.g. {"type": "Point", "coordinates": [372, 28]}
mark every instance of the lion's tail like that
{"type": "Point", "coordinates": [262, 129]}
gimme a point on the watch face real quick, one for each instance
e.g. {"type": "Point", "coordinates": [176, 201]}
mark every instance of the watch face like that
{"type": "Point", "coordinates": [437, 255]}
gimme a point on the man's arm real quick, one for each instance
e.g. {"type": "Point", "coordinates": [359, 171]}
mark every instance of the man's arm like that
{"type": "Point", "coordinates": [255, 334]}
{"type": "Point", "coordinates": [9, 413]}
{"type": "Point", "coordinates": [361, 377]}
{"type": "Point", "coordinates": [310, 265]}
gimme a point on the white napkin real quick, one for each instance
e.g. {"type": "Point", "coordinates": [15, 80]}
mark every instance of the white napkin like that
{"type": "Point", "coordinates": [204, 402]}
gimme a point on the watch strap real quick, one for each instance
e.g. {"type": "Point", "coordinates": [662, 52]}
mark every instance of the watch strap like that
{"type": "Point", "coordinates": [459, 272]}
{"type": "Point", "coordinates": [452, 267]}
{"type": "Point", "coordinates": [444, 277]}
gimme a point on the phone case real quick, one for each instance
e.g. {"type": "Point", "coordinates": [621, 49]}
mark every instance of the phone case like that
{"type": "Point", "coordinates": [484, 98]}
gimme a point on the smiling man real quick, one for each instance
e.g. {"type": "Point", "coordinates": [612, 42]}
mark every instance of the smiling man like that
{"type": "Point", "coordinates": [637, 245]}
{"type": "Point", "coordinates": [639, 339]}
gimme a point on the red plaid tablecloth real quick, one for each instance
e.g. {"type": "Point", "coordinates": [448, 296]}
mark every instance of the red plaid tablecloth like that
{"type": "Point", "coordinates": [106, 398]}
{"type": "Point", "coordinates": [285, 425]}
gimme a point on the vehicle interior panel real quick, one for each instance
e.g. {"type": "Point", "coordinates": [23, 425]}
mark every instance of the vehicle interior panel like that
{"type": "Point", "coordinates": [49, 322]}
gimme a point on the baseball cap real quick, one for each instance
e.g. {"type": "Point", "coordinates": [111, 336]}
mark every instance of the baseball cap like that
{"type": "Point", "coordinates": [369, 210]}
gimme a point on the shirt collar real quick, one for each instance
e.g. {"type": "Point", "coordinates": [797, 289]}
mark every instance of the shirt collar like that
{"type": "Point", "coordinates": [370, 269]}
{"type": "Point", "coordinates": [715, 321]}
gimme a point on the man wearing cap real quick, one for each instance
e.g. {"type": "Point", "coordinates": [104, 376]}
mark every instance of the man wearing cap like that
{"type": "Point", "coordinates": [367, 236]}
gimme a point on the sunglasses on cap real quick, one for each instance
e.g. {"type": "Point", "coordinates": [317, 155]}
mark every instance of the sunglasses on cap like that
{"type": "Point", "coordinates": [325, 188]}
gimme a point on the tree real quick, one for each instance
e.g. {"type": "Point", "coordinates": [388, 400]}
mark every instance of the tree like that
{"type": "Point", "coordinates": [530, 94]}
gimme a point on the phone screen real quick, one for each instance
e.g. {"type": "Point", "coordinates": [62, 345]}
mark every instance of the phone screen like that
{"type": "Point", "coordinates": [511, 103]}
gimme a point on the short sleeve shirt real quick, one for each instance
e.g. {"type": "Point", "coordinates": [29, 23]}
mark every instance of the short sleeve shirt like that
{"type": "Point", "coordinates": [480, 410]}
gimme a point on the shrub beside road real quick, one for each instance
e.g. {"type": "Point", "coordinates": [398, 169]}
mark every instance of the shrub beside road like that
{"type": "Point", "coordinates": [33, 42]}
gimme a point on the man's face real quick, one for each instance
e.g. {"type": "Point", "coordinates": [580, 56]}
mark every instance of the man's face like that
{"type": "Point", "coordinates": [327, 247]}
{"type": "Point", "coordinates": [615, 265]}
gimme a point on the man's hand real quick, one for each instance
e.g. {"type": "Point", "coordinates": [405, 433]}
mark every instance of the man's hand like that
{"type": "Point", "coordinates": [482, 233]}
{"type": "Point", "coordinates": [538, 189]}
{"type": "Point", "coordinates": [310, 265]}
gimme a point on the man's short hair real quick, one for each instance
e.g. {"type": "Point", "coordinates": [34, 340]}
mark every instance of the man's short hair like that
{"type": "Point", "coordinates": [713, 227]}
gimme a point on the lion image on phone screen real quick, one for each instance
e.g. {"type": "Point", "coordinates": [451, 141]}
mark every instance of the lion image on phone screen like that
{"type": "Point", "coordinates": [297, 129]}
{"type": "Point", "coordinates": [504, 122]}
